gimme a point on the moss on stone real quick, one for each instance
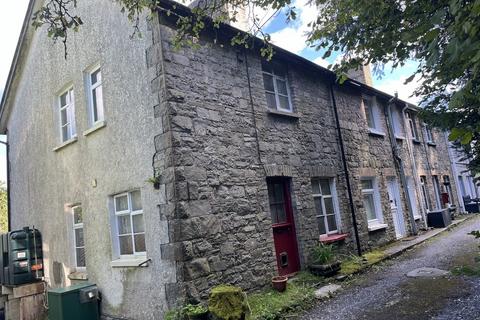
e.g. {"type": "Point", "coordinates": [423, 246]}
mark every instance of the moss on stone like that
{"type": "Point", "coordinates": [228, 302]}
{"type": "Point", "coordinates": [355, 264]}
{"type": "Point", "coordinates": [271, 304]}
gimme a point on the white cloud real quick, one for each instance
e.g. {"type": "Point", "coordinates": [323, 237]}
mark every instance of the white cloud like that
{"type": "Point", "coordinates": [321, 62]}
{"type": "Point", "coordinates": [397, 85]}
{"type": "Point", "coordinates": [12, 14]}
{"type": "Point", "coordinates": [294, 36]}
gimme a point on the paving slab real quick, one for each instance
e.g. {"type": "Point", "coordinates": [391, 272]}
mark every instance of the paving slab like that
{"type": "Point", "coordinates": [427, 272]}
{"type": "Point", "coordinates": [327, 291]}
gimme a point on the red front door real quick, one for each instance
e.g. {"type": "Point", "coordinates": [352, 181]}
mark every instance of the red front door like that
{"type": "Point", "coordinates": [283, 226]}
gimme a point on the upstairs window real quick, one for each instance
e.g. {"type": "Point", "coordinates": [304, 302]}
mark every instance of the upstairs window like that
{"type": "Point", "coordinates": [276, 87]}
{"type": "Point", "coordinates": [130, 231]}
{"type": "Point", "coordinates": [412, 126]}
{"type": "Point", "coordinates": [372, 114]}
{"type": "Point", "coordinates": [78, 238]}
{"type": "Point", "coordinates": [324, 197]}
{"type": "Point", "coordinates": [429, 134]}
{"type": "Point", "coordinates": [397, 124]}
{"type": "Point", "coordinates": [67, 115]}
{"type": "Point", "coordinates": [95, 96]}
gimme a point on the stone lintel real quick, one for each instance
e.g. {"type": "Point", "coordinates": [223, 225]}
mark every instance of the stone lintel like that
{"type": "Point", "coordinates": [281, 170]}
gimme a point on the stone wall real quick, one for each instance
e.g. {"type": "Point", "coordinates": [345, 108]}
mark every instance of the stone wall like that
{"type": "Point", "coordinates": [223, 150]}
{"type": "Point", "coordinates": [218, 147]}
{"type": "Point", "coordinates": [222, 147]}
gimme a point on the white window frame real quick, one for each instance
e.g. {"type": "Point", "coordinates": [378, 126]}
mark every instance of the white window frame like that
{"type": "Point", "coordinates": [413, 126]}
{"type": "Point", "coordinates": [376, 201]}
{"type": "Point", "coordinates": [425, 195]}
{"type": "Point", "coordinates": [413, 199]}
{"type": "Point", "coordinates": [90, 87]}
{"type": "Point", "coordinates": [69, 108]}
{"type": "Point", "coordinates": [437, 191]}
{"type": "Point", "coordinates": [276, 93]}
{"type": "Point", "coordinates": [130, 213]}
{"type": "Point", "coordinates": [428, 134]}
{"type": "Point", "coordinates": [373, 114]}
{"type": "Point", "coordinates": [76, 226]}
{"type": "Point", "coordinates": [336, 207]}
{"type": "Point", "coordinates": [398, 129]}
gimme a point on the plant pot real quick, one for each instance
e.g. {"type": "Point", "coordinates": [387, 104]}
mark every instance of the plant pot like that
{"type": "Point", "coordinates": [279, 283]}
{"type": "Point", "coordinates": [325, 270]}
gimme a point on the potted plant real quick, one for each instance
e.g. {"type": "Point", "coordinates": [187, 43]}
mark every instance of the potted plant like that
{"type": "Point", "coordinates": [279, 283]}
{"type": "Point", "coordinates": [195, 312]}
{"type": "Point", "coordinates": [323, 261]}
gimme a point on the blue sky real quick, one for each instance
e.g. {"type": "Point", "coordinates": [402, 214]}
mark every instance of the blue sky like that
{"type": "Point", "coordinates": [292, 37]}
{"type": "Point", "coordinates": [289, 36]}
{"type": "Point", "coordinates": [12, 13]}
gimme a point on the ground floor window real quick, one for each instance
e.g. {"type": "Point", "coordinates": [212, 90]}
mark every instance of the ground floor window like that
{"type": "Point", "coordinates": [371, 201]}
{"type": "Point", "coordinates": [130, 225]}
{"type": "Point", "coordinates": [448, 189]}
{"type": "Point", "coordinates": [425, 197]}
{"type": "Point", "coordinates": [78, 238]}
{"type": "Point", "coordinates": [325, 199]}
{"type": "Point", "coordinates": [436, 189]}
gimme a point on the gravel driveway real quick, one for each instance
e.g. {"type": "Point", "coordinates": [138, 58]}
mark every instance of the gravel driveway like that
{"type": "Point", "coordinates": [385, 292]}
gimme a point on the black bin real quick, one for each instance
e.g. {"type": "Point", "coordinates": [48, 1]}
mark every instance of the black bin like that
{"type": "Point", "coordinates": [439, 218]}
{"type": "Point", "coordinates": [22, 257]}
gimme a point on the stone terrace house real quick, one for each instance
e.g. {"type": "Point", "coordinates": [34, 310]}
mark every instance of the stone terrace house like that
{"type": "Point", "coordinates": [254, 162]}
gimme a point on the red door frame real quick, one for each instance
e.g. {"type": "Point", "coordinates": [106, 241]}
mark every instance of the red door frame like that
{"type": "Point", "coordinates": [284, 234]}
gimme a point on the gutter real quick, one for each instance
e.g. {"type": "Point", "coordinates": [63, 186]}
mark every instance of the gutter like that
{"type": "Point", "coordinates": [398, 161]}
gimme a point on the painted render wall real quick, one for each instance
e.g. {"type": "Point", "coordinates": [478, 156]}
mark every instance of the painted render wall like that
{"type": "Point", "coordinates": [118, 157]}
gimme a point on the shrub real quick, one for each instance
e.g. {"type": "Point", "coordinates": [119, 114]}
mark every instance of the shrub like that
{"type": "Point", "coordinates": [322, 254]}
{"type": "Point", "coordinates": [227, 302]}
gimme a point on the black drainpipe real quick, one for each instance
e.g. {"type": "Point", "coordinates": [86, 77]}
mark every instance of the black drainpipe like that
{"type": "Point", "coordinates": [8, 182]}
{"type": "Point", "coordinates": [345, 168]}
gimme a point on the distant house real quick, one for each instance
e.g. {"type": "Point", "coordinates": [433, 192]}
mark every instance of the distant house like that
{"type": "Point", "coordinates": [468, 189]}
{"type": "Point", "coordinates": [253, 162]}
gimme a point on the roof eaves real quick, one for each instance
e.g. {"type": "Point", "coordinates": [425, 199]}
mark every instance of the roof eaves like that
{"type": "Point", "coordinates": [184, 10]}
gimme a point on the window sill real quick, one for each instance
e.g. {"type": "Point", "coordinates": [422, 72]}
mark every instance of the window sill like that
{"type": "Point", "coordinates": [129, 262]}
{"type": "Point", "coordinates": [376, 133]}
{"type": "Point", "coordinates": [66, 143]}
{"type": "Point", "coordinates": [399, 137]}
{"type": "Point", "coordinates": [417, 217]}
{"type": "Point", "coordinates": [331, 238]}
{"type": "Point", "coordinates": [432, 144]}
{"type": "Point", "coordinates": [416, 141]}
{"type": "Point", "coordinates": [377, 226]}
{"type": "Point", "coordinates": [79, 275]}
{"type": "Point", "coordinates": [283, 114]}
{"type": "Point", "coordinates": [95, 127]}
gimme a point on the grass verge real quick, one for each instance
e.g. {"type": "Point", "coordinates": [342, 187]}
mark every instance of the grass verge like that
{"type": "Point", "coordinates": [471, 271]}
{"type": "Point", "coordinates": [355, 264]}
{"type": "Point", "coordinates": [273, 305]}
